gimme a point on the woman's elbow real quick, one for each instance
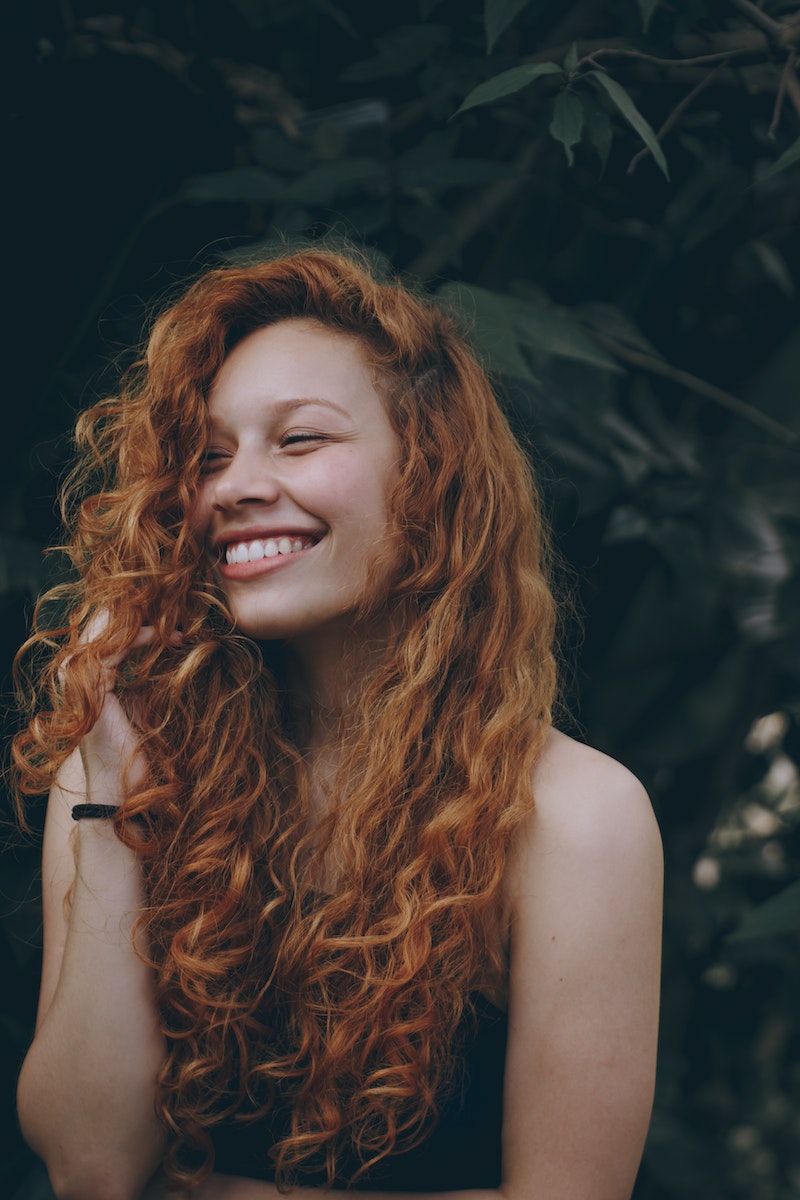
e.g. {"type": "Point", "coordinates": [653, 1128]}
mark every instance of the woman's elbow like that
{"type": "Point", "coordinates": [87, 1174]}
{"type": "Point", "coordinates": [91, 1180]}
{"type": "Point", "coordinates": [78, 1166]}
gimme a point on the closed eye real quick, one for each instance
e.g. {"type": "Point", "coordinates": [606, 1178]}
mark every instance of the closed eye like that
{"type": "Point", "coordinates": [213, 460]}
{"type": "Point", "coordinates": [303, 438]}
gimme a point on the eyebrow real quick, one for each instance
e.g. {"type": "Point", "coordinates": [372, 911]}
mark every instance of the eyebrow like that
{"type": "Point", "coordinates": [283, 407]}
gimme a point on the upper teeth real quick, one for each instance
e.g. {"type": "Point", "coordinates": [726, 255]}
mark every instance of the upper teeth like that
{"type": "Point", "coordinates": [240, 552]}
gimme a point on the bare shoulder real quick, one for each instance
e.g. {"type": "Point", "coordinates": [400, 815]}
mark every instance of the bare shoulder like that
{"type": "Point", "coordinates": [572, 773]}
{"type": "Point", "coordinates": [590, 810]}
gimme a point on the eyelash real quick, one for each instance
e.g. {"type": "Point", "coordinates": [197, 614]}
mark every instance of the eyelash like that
{"type": "Point", "coordinates": [297, 439]}
{"type": "Point", "coordinates": [210, 459]}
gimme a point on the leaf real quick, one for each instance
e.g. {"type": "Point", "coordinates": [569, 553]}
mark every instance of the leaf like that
{"type": "Point", "coordinates": [400, 52]}
{"type": "Point", "coordinates": [555, 331]}
{"type": "Point", "coordinates": [780, 914]}
{"type": "Point", "coordinates": [331, 179]}
{"type": "Point", "coordinates": [710, 196]}
{"type": "Point", "coordinates": [612, 321]}
{"type": "Point", "coordinates": [274, 150]}
{"type": "Point", "coordinates": [329, 142]}
{"type": "Point", "coordinates": [753, 552]}
{"type": "Point", "coordinates": [571, 58]}
{"type": "Point", "coordinates": [626, 524]}
{"type": "Point", "coordinates": [632, 115]}
{"type": "Point", "coordinates": [505, 325]}
{"type": "Point", "coordinates": [336, 14]}
{"type": "Point", "coordinates": [774, 265]}
{"type": "Point", "coordinates": [697, 725]}
{"type": "Point", "coordinates": [647, 8]}
{"type": "Point", "coordinates": [597, 128]}
{"type": "Point", "coordinates": [749, 541]}
{"type": "Point", "coordinates": [506, 83]}
{"type": "Point", "coordinates": [497, 16]}
{"type": "Point", "coordinates": [492, 330]}
{"type": "Point", "coordinates": [253, 12]}
{"type": "Point", "coordinates": [787, 159]}
{"type": "Point", "coordinates": [567, 122]}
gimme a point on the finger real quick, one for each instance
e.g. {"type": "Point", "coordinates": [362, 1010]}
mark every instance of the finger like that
{"type": "Point", "coordinates": [94, 629]}
{"type": "Point", "coordinates": [98, 623]}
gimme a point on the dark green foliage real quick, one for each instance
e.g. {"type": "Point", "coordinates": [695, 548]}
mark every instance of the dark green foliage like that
{"type": "Point", "coordinates": [567, 123]}
{"type": "Point", "coordinates": [622, 101]}
{"type": "Point", "coordinates": [610, 199]}
{"type": "Point", "coordinates": [507, 83]}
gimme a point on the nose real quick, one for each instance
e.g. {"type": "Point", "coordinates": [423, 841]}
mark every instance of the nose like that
{"type": "Point", "coordinates": [247, 479]}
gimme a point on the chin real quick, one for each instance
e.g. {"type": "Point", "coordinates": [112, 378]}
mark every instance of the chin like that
{"type": "Point", "coordinates": [281, 628]}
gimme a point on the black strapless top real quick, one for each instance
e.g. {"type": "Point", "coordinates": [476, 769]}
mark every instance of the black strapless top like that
{"type": "Point", "coordinates": [462, 1151]}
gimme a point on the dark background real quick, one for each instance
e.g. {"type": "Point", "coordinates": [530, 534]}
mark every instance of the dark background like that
{"type": "Point", "coordinates": [643, 331]}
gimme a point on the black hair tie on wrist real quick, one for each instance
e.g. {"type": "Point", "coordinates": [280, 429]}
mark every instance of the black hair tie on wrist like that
{"type": "Point", "coordinates": [82, 812]}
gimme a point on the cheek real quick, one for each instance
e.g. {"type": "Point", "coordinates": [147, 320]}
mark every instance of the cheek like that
{"type": "Point", "coordinates": [367, 499]}
{"type": "Point", "coordinates": [199, 513]}
{"type": "Point", "coordinates": [352, 489]}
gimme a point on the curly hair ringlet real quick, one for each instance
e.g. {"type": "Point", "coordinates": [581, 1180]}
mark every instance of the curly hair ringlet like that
{"type": "Point", "coordinates": [346, 1003]}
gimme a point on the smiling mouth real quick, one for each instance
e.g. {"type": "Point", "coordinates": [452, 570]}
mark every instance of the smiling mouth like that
{"type": "Point", "coordinates": [260, 548]}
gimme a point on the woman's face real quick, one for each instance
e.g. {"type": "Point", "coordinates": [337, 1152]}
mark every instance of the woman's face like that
{"type": "Point", "coordinates": [292, 504]}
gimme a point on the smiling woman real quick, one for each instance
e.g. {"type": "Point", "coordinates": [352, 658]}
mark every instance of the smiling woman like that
{"type": "Point", "coordinates": [327, 900]}
{"type": "Point", "coordinates": [297, 475]}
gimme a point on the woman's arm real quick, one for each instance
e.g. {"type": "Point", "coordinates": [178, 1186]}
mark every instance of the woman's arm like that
{"type": "Point", "coordinates": [585, 887]}
{"type": "Point", "coordinates": [87, 1086]}
{"type": "Point", "coordinates": [586, 892]}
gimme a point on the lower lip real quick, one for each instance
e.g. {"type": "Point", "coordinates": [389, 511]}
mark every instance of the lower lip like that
{"type": "Point", "coordinates": [261, 566]}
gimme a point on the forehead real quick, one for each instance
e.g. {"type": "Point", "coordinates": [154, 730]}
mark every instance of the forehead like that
{"type": "Point", "coordinates": [294, 359]}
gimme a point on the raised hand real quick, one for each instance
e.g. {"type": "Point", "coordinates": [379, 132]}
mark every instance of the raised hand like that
{"type": "Point", "coordinates": [112, 761]}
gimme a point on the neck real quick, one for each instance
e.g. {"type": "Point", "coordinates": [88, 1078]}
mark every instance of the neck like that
{"type": "Point", "coordinates": [326, 672]}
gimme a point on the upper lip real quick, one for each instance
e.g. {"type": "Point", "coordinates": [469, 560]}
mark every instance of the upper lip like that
{"type": "Point", "coordinates": [230, 537]}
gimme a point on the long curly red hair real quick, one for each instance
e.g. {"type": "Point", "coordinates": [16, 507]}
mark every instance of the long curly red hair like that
{"type": "Point", "coordinates": [346, 1003]}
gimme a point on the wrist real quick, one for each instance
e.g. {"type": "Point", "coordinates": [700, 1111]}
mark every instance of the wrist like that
{"type": "Point", "coordinates": [94, 812]}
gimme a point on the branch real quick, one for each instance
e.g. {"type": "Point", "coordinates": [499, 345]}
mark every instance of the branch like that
{"type": "Point", "coordinates": [699, 386]}
{"type": "Point", "coordinates": [702, 47]}
{"type": "Point", "coordinates": [759, 17]}
{"type": "Point", "coordinates": [755, 78]}
{"type": "Point", "coordinates": [785, 34]}
{"type": "Point", "coordinates": [696, 61]}
{"type": "Point", "coordinates": [728, 39]}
